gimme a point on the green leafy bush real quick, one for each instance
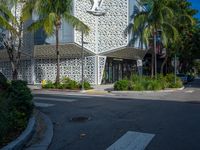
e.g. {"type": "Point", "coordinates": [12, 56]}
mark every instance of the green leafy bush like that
{"type": "Point", "coordinates": [73, 85]}
{"type": "Point", "coordinates": [121, 85]}
{"type": "Point", "coordinates": [20, 97]}
{"type": "Point", "coordinates": [66, 83]}
{"type": "Point", "coordinates": [49, 85]}
{"type": "Point", "coordinates": [138, 86]}
{"type": "Point", "coordinates": [86, 85]}
{"type": "Point", "coordinates": [154, 85]}
{"type": "Point", "coordinates": [138, 83]}
{"type": "Point", "coordinates": [16, 107]}
{"type": "Point", "coordinates": [170, 78]}
{"type": "Point", "coordinates": [3, 82]}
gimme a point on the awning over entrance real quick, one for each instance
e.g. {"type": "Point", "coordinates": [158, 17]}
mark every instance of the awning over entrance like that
{"type": "Point", "coordinates": [126, 53]}
{"type": "Point", "coordinates": [71, 50]}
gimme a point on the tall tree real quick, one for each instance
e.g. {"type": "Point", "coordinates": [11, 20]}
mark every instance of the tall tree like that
{"type": "Point", "coordinates": [183, 21]}
{"type": "Point", "coordinates": [11, 35]}
{"type": "Point", "coordinates": [156, 16]}
{"type": "Point", "coordinates": [50, 13]}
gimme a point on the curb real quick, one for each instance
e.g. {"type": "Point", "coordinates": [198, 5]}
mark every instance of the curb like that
{"type": "Point", "coordinates": [47, 137]}
{"type": "Point", "coordinates": [24, 137]}
{"type": "Point", "coordinates": [147, 92]}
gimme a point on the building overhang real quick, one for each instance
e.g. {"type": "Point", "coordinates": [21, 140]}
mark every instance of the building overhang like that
{"type": "Point", "coordinates": [69, 50]}
{"type": "Point", "coordinates": [126, 53]}
{"type": "Point", "coordinates": [4, 55]}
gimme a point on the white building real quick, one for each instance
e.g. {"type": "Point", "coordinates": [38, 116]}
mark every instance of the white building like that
{"type": "Point", "coordinates": [107, 55]}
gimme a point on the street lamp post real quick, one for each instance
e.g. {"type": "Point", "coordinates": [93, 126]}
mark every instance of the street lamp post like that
{"type": "Point", "coordinates": [82, 63]}
{"type": "Point", "coordinates": [155, 53]}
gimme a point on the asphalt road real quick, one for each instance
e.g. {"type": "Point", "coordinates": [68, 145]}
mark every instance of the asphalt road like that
{"type": "Point", "coordinates": [174, 118]}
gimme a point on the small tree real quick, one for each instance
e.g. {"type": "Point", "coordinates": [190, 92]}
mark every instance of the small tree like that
{"type": "Point", "coordinates": [11, 35]}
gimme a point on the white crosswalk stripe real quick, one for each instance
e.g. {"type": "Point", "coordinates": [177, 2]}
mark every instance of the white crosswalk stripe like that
{"type": "Point", "coordinates": [132, 141]}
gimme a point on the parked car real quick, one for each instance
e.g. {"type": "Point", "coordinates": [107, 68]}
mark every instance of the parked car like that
{"type": "Point", "coordinates": [190, 78]}
{"type": "Point", "coordinates": [183, 77]}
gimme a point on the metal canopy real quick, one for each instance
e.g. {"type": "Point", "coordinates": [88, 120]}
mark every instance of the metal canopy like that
{"type": "Point", "coordinates": [71, 50]}
{"type": "Point", "coordinates": [126, 53]}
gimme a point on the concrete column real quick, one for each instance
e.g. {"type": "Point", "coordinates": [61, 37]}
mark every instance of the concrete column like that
{"type": "Point", "coordinates": [32, 71]}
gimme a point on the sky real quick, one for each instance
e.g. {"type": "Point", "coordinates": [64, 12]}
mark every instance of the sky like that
{"type": "Point", "coordinates": [196, 5]}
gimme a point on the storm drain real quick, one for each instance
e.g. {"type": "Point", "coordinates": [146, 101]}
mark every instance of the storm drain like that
{"type": "Point", "coordinates": [80, 119]}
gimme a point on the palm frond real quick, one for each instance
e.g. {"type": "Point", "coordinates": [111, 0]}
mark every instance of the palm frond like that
{"type": "Point", "coordinates": [139, 20]}
{"type": "Point", "coordinates": [75, 22]}
{"type": "Point", "coordinates": [27, 10]}
{"type": "Point", "coordinates": [49, 24]}
{"type": "Point", "coordinates": [4, 10]}
{"type": "Point", "coordinates": [36, 25]}
{"type": "Point", "coordinates": [5, 24]}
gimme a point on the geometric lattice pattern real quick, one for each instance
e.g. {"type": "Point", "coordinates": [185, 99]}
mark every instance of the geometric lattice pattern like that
{"type": "Point", "coordinates": [111, 27]}
{"type": "Point", "coordinates": [46, 69]}
{"type": "Point", "coordinates": [101, 67]}
{"type": "Point", "coordinates": [24, 70]}
{"type": "Point", "coordinates": [106, 32]}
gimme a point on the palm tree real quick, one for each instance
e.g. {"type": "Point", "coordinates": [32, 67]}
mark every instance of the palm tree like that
{"type": "Point", "coordinates": [13, 41]}
{"type": "Point", "coordinates": [155, 16]}
{"type": "Point", "coordinates": [183, 21]}
{"type": "Point", "coordinates": [50, 13]}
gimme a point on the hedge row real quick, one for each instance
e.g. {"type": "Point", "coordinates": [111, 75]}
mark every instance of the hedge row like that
{"type": "Point", "coordinates": [66, 83]}
{"type": "Point", "coordinates": [138, 83]}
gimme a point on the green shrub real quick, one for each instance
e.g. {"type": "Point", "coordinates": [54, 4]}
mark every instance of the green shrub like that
{"type": "Point", "coordinates": [20, 97]}
{"type": "Point", "coordinates": [121, 85]}
{"type": "Point", "coordinates": [65, 80]}
{"type": "Point", "coordinates": [3, 82]}
{"type": "Point", "coordinates": [170, 78]}
{"type": "Point", "coordinates": [154, 85]}
{"type": "Point", "coordinates": [49, 85]}
{"type": "Point", "coordinates": [135, 78]}
{"type": "Point", "coordinates": [71, 85]}
{"type": "Point", "coordinates": [16, 107]}
{"type": "Point", "coordinates": [86, 85]}
{"type": "Point", "coordinates": [138, 86]}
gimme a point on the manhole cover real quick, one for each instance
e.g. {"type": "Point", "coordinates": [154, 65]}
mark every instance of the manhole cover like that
{"type": "Point", "coordinates": [80, 119]}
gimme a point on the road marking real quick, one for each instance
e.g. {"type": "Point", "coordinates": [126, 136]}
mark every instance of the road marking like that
{"type": "Point", "coordinates": [55, 99]}
{"type": "Point", "coordinates": [43, 104]}
{"type": "Point", "coordinates": [132, 141]}
{"type": "Point", "coordinates": [189, 91]}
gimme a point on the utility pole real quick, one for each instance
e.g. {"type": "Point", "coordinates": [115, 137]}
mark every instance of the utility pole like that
{"type": "Point", "coordinates": [82, 62]}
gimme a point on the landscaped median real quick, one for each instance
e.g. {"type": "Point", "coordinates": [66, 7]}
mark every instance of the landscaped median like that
{"type": "Point", "coordinates": [16, 108]}
{"type": "Point", "coordinates": [144, 83]}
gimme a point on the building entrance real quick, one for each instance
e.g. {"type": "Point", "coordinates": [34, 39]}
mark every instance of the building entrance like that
{"type": "Point", "coordinates": [117, 69]}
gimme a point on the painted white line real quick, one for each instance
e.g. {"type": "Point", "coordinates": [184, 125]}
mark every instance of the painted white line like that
{"type": "Point", "coordinates": [132, 141]}
{"type": "Point", "coordinates": [55, 99]}
{"type": "Point", "coordinates": [43, 104]}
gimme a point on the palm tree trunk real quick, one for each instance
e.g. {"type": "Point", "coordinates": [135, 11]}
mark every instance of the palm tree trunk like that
{"type": "Point", "coordinates": [58, 55]}
{"type": "Point", "coordinates": [163, 64]}
{"type": "Point", "coordinates": [155, 53]}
